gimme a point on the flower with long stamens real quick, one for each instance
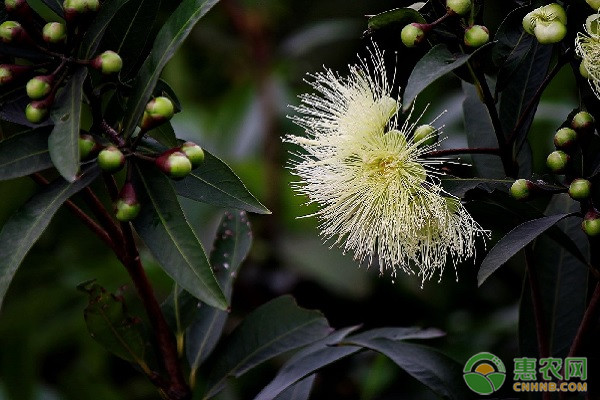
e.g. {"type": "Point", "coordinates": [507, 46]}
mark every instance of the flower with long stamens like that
{"type": "Point", "coordinates": [378, 195]}
{"type": "Point", "coordinates": [587, 46]}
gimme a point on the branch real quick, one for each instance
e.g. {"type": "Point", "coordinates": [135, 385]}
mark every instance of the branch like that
{"type": "Point", "coordinates": [466, 150]}
{"type": "Point", "coordinates": [590, 319]}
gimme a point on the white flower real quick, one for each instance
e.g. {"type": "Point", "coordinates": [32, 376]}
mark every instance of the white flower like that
{"type": "Point", "coordinates": [377, 195]}
{"type": "Point", "coordinates": [587, 46]}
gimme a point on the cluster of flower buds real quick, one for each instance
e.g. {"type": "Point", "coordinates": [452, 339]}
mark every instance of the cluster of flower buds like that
{"type": "Point", "coordinates": [24, 29]}
{"type": "Point", "coordinates": [547, 23]}
{"type": "Point", "coordinates": [178, 162]}
{"type": "Point", "coordinates": [566, 139]}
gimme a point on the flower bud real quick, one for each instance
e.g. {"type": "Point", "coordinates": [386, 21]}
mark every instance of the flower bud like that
{"type": "Point", "coordinates": [424, 135]}
{"type": "Point", "coordinates": [75, 9]}
{"type": "Point", "coordinates": [460, 7]}
{"type": "Point", "coordinates": [595, 4]}
{"type": "Point", "coordinates": [10, 31]}
{"type": "Point", "coordinates": [580, 189]}
{"type": "Point", "coordinates": [565, 138]}
{"type": "Point", "coordinates": [557, 161]}
{"type": "Point", "coordinates": [87, 146]}
{"type": "Point", "coordinates": [158, 110]}
{"type": "Point", "coordinates": [521, 189]}
{"type": "Point", "coordinates": [412, 35]}
{"type": "Point", "coordinates": [529, 21]}
{"type": "Point", "coordinates": [194, 153]}
{"type": "Point", "coordinates": [127, 207]}
{"type": "Point", "coordinates": [591, 223]}
{"type": "Point", "coordinates": [12, 5]}
{"type": "Point", "coordinates": [476, 36]}
{"type": "Point", "coordinates": [10, 72]}
{"type": "Point", "coordinates": [555, 12]}
{"type": "Point", "coordinates": [108, 62]}
{"type": "Point", "coordinates": [39, 87]}
{"type": "Point", "coordinates": [54, 32]}
{"type": "Point", "coordinates": [583, 122]}
{"type": "Point", "coordinates": [111, 159]}
{"type": "Point", "coordinates": [37, 111]}
{"type": "Point", "coordinates": [174, 163]}
{"type": "Point", "coordinates": [548, 32]}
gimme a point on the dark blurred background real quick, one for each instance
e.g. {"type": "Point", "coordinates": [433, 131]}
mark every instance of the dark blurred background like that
{"type": "Point", "coordinates": [235, 75]}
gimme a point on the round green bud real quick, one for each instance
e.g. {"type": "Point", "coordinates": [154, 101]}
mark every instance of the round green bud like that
{"type": "Point", "coordinates": [549, 32]}
{"type": "Point", "coordinates": [557, 161]}
{"type": "Point", "coordinates": [583, 70]}
{"type": "Point", "coordinates": [564, 138]}
{"type": "Point", "coordinates": [54, 32]}
{"type": "Point", "coordinates": [194, 153]}
{"type": "Point", "coordinates": [127, 207]}
{"type": "Point", "coordinates": [529, 21]}
{"type": "Point", "coordinates": [460, 7]}
{"type": "Point", "coordinates": [5, 75]}
{"type": "Point", "coordinates": [12, 5]}
{"type": "Point", "coordinates": [39, 87]}
{"type": "Point", "coordinates": [87, 144]}
{"type": "Point", "coordinates": [555, 12]}
{"type": "Point", "coordinates": [591, 223]}
{"type": "Point", "coordinates": [174, 163]}
{"type": "Point", "coordinates": [412, 35]}
{"type": "Point", "coordinates": [424, 135]}
{"type": "Point", "coordinates": [36, 112]}
{"type": "Point", "coordinates": [108, 62]}
{"type": "Point", "coordinates": [520, 189]}
{"type": "Point", "coordinates": [583, 122]}
{"type": "Point", "coordinates": [595, 4]}
{"type": "Point", "coordinates": [9, 30]}
{"type": "Point", "coordinates": [476, 36]}
{"type": "Point", "coordinates": [81, 6]}
{"type": "Point", "coordinates": [580, 189]}
{"type": "Point", "coordinates": [158, 110]}
{"type": "Point", "coordinates": [111, 159]}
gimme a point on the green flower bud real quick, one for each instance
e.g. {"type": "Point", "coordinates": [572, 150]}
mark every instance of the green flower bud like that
{"type": "Point", "coordinates": [424, 135]}
{"type": "Point", "coordinates": [39, 87]}
{"type": "Point", "coordinates": [194, 153]}
{"type": "Point", "coordinates": [412, 35]}
{"type": "Point", "coordinates": [10, 72]}
{"type": "Point", "coordinates": [158, 110]}
{"type": "Point", "coordinates": [10, 30]}
{"type": "Point", "coordinates": [111, 159]}
{"type": "Point", "coordinates": [87, 145]}
{"type": "Point", "coordinates": [591, 223]}
{"type": "Point", "coordinates": [108, 62]}
{"type": "Point", "coordinates": [557, 161]}
{"type": "Point", "coordinates": [595, 4]}
{"type": "Point", "coordinates": [580, 189]}
{"type": "Point", "coordinates": [174, 163]}
{"type": "Point", "coordinates": [521, 189]}
{"type": "Point", "coordinates": [76, 9]}
{"type": "Point", "coordinates": [36, 111]}
{"type": "Point", "coordinates": [476, 36]}
{"type": "Point", "coordinates": [12, 5]}
{"type": "Point", "coordinates": [127, 207]}
{"type": "Point", "coordinates": [5, 75]}
{"type": "Point", "coordinates": [54, 32]}
{"type": "Point", "coordinates": [460, 7]}
{"type": "Point", "coordinates": [529, 21]}
{"type": "Point", "coordinates": [565, 138]}
{"type": "Point", "coordinates": [549, 32]}
{"type": "Point", "coordinates": [555, 12]}
{"type": "Point", "coordinates": [583, 122]}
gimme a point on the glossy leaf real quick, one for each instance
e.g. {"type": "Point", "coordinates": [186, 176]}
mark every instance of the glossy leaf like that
{"type": "Point", "coordinates": [93, 33]}
{"type": "Point", "coordinates": [298, 391]}
{"type": "Point", "coordinates": [164, 134]}
{"type": "Point", "coordinates": [164, 229]}
{"type": "Point", "coordinates": [435, 370]}
{"type": "Point", "coordinates": [55, 6]}
{"type": "Point", "coordinates": [400, 16]}
{"type": "Point", "coordinates": [110, 325]}
{"type": "Point", "coordinates": [460, 186]}
{"type": "Point", "coordinates": [63, 141]}
{"type": "Point", "coordinates": [213, 182]}
{"type": "Point", "coordinates": [25, 227]}
{"type": "Point", "coordinates": [514, 241]}
{"type": "Point", "coordinates": [230, 247]}
{"type": "Point", "coordinates": [177, 27]}
{"type": "Point", "coordinates": [24, 153]}
{"type": "Point", "coordinates": [436, 63]}
{"type": "Point", "coordinates": [272, 329]}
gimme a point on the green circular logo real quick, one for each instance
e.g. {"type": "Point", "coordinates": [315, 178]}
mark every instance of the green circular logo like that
{"type": "Point", "coordinates": [484, 373]}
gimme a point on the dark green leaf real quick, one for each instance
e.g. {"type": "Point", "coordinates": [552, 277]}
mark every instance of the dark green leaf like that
{"type": "Point", "coordinates": [563, 282]}
{"type": "Point", "coordinates": [164, 229]}
{"type": "Point", "coordinates": [63, 141]}
{"type": "Point", "coordinates": [94, 33]}
{"type": "Point", "coordinates": [165, 135]}
{"type": "Point", "coordinates": [231, 246]}
{"type": "Point", "coordinates": [24, 153]}
{"type": "Point", "coordinates": [400, 16]}
{"type": "Point", "coordinates": [110, 325]}
{"type": "Point", "coordinates": [435, 64]}
{"type": "Point", "coordinates": [171, 36]}
{"type": "Point", "coordinates": [12, 108]}
{"type": "Point", "coordinates": [460, 186]}
{"type": "Point", "coordinates": [25, 227]}
{"type": "Point", "coordinates": [56, 6]}
{"type": "Point", "coordinates": [435, 370]}
{"type": "Point", "coordinates": [130, 30]}
{"type": "Point", "coordinates": [400, 333]}
{"type": "Point", "coordinates": [298, 391]}
{"type": "Point", "coordinates": [514, 241]}
{"type": "Point", "coordinates": [214, 182]}
{"type": "Point", "coordinates": [272, 329]}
